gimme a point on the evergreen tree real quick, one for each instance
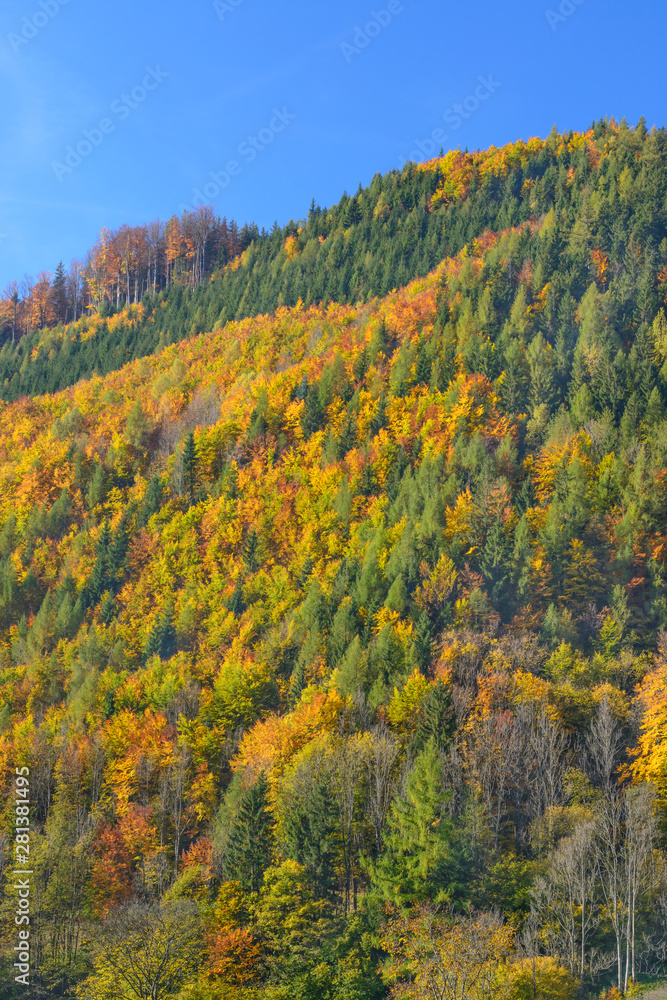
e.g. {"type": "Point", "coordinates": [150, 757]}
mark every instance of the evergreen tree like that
{"type": "Point", "coordinates": [100, 578]}
{"type": "Point", "coordinates": [59, 292]}
{"type": "Point", "coordinates": [310, 834]}
{"type": "Point", "coordinates": [96, 490]}
{"type": "Point", "coordinates": [417, 861]}
{"type": "Point", "coordinates": [251, 552]}
{"type": "Point", "coordinates": [190, 464]}
{"type": "Point", "coordinates": [250, 844]}
{"type": "Point", "coordinates": [438, 722]}
{"type": "Point", "coordinates": [162, 638]}
{"type": "Point", "coordinates": [313, 413]}
{"type": "Point", "coordinates": [236, 604]}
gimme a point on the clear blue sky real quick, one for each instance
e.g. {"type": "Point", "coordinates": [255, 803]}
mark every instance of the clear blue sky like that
{"type": "Point", "coordinates": [354, 112]}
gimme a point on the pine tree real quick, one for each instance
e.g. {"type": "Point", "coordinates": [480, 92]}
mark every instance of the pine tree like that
{"type": "Point", "coordinates": [250, 844]}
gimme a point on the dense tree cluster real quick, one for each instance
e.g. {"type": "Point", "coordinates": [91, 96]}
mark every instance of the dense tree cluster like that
{"type": "Point", "coordinates": [335, 640]}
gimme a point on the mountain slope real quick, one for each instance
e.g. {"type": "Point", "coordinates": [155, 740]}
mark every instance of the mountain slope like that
{"type": "Point", "coordinates": [398, 228]}
{"type": "Point", "coordinates": [321, 606]}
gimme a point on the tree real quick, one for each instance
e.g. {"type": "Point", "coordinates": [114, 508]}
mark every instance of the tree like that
{"type": "Point", "coordinates": [250, 845]}
{"type": "Point", "coordinates": [310, 829]}
{"type": "Point", "coordinates": [190, 464]}
{"type": "Point", "coordinates": [642, 836]}
{"type": "Point", "coordinates": [290, 918]}
{"type": "Point", "coordinates": [441, 955]}
{"type": "Point", "coordinates": [9, 308]}
{"type": "Point", "coordinates": [144, 952]}
{"type": "Point", "coordinates": [381, 755]}
{"type": "Point", "coordinates": [137, 427]}
{"type": "Point", "coordinates": [566, 898]}
{"type": "Point", "coordinates": [162, 638]}
{"type": "Point", "coordinates": [417, 862]}
{"type": "Point", "coordinates": [59, 293]}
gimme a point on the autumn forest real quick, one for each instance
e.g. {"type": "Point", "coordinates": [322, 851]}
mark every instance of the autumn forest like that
{"type": "Point", "coordinates": [333, 592]}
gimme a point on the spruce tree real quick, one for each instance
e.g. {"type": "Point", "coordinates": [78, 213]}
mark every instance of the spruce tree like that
{"type": "Point", "coordinates": [438, 722]}
{"type": "Point", "coordinates": [162, 639]}
{"type": "Point", "coordinates": [310, 834]}
{"type": "Point", "coordinates": [190, 464]}
{"type": "Point", "coordinates": [251, 552]}
{"type": "Point", "coordinates": [313, 414]}
{"type": "Point", "coordinates": [59, 292]}
{"type": "Point", "coordinates": [250, 844]}
{"type": "Point", "coordinates": [99, 580]}
{"type": "Point", "coordinates": [417, 861]}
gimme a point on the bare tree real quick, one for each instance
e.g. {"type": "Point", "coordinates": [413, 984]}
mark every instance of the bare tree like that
{"type": "Point", "coordinates": [613, 868]}
{"type": "Point", "coordinates": [604, 744]}
{"type": "Point", "coordinates": [381, 756]}
{"type": "Point", "coordinates": [642, 872]}
{"type": "Point", "coordinates": [547, 746]}
{"type": "Point", "coordinates": [491, 754]}
{"type": "Point", "coordinates": [179, 781]}
{"type": "Point", "coordinates": [564, 899]}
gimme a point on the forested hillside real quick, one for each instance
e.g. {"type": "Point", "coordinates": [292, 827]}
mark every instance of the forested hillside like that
{"type": "Point", "coordinates": [334, 631]}
{"type": "Point", "coordinates": [141, 288]}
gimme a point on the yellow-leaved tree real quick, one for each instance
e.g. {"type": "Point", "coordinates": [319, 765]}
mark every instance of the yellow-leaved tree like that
{"type": "Point", "coordinates": [144, 951]}
{"type": "Point", "coordinates": [442, 955]}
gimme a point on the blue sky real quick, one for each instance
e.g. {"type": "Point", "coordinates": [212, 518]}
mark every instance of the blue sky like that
{"type": "Point", "coordinates": [184, 89]}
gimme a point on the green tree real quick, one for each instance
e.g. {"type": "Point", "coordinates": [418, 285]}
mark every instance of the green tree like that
{"type": "Point", "coordinates": [162, 638]}
{"type": "Point", "coordinates": [250, 845]}
{"type": "Point", "coordinates": [190, 464]}
{"type": "Point", "coordinates": [310, 825]}
{"type": "Point", "coordinates": [59, 292]}
{"type": "Point", "coordinates": [417, 861]}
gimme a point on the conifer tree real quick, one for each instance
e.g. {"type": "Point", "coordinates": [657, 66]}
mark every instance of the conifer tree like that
{"type": "Point", "coordinates": [438, 722]}
{"type": "Point", "coordinates": [99, 580]}
{"type": "Point", "coordinates": [59, 292]}
{"type": "Point", "coordinates": [310, 827]}
{"type": "Point", "coordinates": [162, 639]}
{"type": "Point", "coordinates": [250, 845]}
{"type": "Point", "coordinates": [190, 464]}
{"type": "Point", "coordinates": [417, 861]}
